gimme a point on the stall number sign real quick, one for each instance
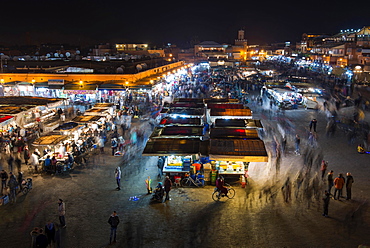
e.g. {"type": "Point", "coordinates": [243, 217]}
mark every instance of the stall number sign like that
{"type": "Point", "coordinates": [56, 82]}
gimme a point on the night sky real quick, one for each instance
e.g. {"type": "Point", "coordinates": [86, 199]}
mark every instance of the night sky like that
{"type": "Point", "coordinates": [177, 22]}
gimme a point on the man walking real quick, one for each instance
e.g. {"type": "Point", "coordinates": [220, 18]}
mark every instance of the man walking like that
{"type": "Point", "coordinates": [313, 125]}
{"type": "Point", "coordinates": [4, 178]}
{"type": "Point", "coordinates": [297, 142]}
{"type": "Point", "coordinates": [326, 200]}
{"type": "Point", "coordinates": [113, 221]}
{"type": "Point", "coordinates": [13, 185]}
{"type": "Point", "coordinates": [160, 165]}
{"type": "Point", "coordinates": [114, 145]}
{"type": "Point", "coordinates": [338, 185]}
{"type": "Point", "coordinates": [117, 174]}
{"type": "Point", "coordinates": [349, 183]}
{"type": "Point", "coordinates": [62, 212]}
{"type": "Point", "coordinates": [324, 166]}
{"type": "Point", "coordinates": [330, 180]}
{"type": "Point", "coordinates": [167, 187]}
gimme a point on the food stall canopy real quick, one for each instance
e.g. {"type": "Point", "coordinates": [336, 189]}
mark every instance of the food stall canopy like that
{"type": "Point", "coordinates": [231, 113]}
{"type": "Point", "coordinates": [53, 139]}
{"type": "Point", "coordinates": [238, 150]}
{"type": "Point", "coordinates": [5, 119]}
{"type": "Point", "coordinates": [186, 105]}
{"type": "Point", "coordinates": [13, 110]}
{"type": "Point", "coordinates": [225, 105]}
{"type": "Point", "coordinates": [220, 100]}
{"type": "Point", "coordinates": [231, 123]}
{"type": "Point", "coordinates": [189, 113]}
{"type": "Point", "coordinates": [87, 118]}
{"type": "Point", "coordinates": [96, 111]}
{"type": "Point", "coordinates": [184, 132]}
{"type": "Point", "coordinates": [195, 100]}
{"type": "Point", "coordinates": [29, 100]}
{"type": "Point", "coordinates": [103, 105]}
{"type": "Point", "coordinates": [66, 126]}
{"type": "Point", "coordinates": [169, 121]}
{"type": "Point", "coordinates": [178, 147]}
{"type": "Point", "coordinates": [233, 133]}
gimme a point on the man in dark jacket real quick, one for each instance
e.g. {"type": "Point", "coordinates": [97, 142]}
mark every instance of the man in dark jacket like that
{"type": "Point", "coordinates": [113, 221]}
{"type": "Point", "coordinates": [326, 200]}
{"type": "Point", "coordinates": [167, 187]}
{"type": "Point", "coordinates": [313, 124]}
{"type": "Point", "coordinates": [50, 232]}
{"type": "Point", "coordinates": [41, 239]}
{"type": "Point", "coordinates": [349, 183]}
{"type": "Point", "coordinates": [4, 178]}
{"type": "Point", "coordinates": [330, 181]}
{"type": "Point", "coordinates": [13, 185]}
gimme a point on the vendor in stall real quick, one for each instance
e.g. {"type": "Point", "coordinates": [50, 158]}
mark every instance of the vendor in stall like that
{"type": "Point", "coordinates": [47, 162]}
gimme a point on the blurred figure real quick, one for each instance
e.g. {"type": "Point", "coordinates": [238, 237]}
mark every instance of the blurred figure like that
{"type": "Point", "coordinates": [349, 182]}
{"type": "Point", "coordinates": [297, 142]}
{"type": "Point", "coordinates": [313, 124]}
{"type": "Point", "coordinates": [326, 200]}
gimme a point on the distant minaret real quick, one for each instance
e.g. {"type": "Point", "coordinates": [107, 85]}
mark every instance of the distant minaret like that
{"type": "Point", "coordinates": [241, 41]}
{"type": "Point", "coordinates": [241, 34]}
{"type": "Point", "coordinates": [241, 44]}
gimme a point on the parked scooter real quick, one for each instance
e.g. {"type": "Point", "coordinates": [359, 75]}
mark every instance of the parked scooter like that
{"type": "Point", "coordinates": [158, 193]}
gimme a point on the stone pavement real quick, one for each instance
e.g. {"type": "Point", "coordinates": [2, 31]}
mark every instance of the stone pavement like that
{"type": "Point", "coordinates": [258, 216]}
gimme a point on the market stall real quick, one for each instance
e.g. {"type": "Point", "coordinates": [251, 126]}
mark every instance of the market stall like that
{"type": "Point", "coordinates": [181, 153]}
{"type": "Point", "coordinates": [232, 156]}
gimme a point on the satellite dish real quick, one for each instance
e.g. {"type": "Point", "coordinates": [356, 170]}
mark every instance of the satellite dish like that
{"type": "Point", "coordinates": [68, 54]}
{"type": "Point", "coordinates": [56, 55]}
{"type": "Point", "coordinates": [61, 55]}
{"type": "Point", "coordinates": [48, 55]}
{"type": "Point", "coordinates": [119, 70]}
{"type": "Point", "coordinates": [78, 52]}
{"type": "Point", "coordinates": [139, 67]}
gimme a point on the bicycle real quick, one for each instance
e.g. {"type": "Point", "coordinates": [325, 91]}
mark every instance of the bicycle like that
{"type": "Point", "coordinates": [218, 195]}
{"type": "Point", "coordinates": [189, 181]}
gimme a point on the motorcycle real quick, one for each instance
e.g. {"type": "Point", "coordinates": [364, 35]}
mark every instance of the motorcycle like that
{"type": "Point", "coordinates": [158, 194]}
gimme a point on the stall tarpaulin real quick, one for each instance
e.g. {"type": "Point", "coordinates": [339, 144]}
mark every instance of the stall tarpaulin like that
{"type": "Point", "coordinates": [5, 119]}
{"type": "Point", "coordinates": [232, 123]}
{"type": "Point", "coordinates": [49, 140]}
{"type": "Point", "coordinates": [168, 121]}
{"type": "Point", "coordinates": [177, 147]}
{"type": "Point", "coordinates": [87, 118]}
{"type": "Point", "coordinates": [233, 133]}
{"type": "Point", "coordinates": [178, 132]}
{"type": "Point", "coordinates": [96, 111]}
{"type": "Point", "coordinates": [238, 150]}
